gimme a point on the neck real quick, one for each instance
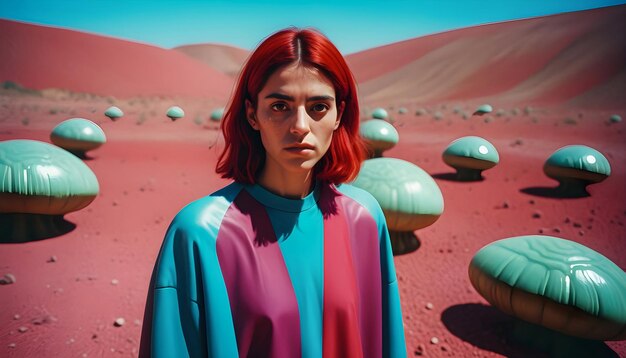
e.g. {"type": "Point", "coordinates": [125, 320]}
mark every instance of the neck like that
{"type": "Point", "coordinates": [288, 185]}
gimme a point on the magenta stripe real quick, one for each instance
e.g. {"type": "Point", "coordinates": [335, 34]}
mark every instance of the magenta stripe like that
{"type": "Point", "coordinates": [262, 300]}
{"type": "Point", "coordinates": [366, 257]}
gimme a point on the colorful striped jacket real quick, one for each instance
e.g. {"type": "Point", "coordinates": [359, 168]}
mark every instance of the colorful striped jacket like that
{"type": "Point", "coordinates": [244, 272]}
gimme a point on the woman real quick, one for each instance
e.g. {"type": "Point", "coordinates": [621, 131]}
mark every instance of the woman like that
{"type": "Point", "coordinates": [285, 261]}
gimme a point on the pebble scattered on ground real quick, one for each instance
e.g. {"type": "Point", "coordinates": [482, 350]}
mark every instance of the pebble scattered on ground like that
{"type": "Point", "coordinates": [419, 350]}
{"type": "Point", "coordinates": [8, 279]}
{"type": "Point", "coordinates": [43, 320]}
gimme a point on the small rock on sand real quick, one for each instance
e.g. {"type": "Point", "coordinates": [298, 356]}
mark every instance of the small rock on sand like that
{"type": "Point", "coordinates": [419, 350]}
{"type": "Point", "coordinates": [8, 279]}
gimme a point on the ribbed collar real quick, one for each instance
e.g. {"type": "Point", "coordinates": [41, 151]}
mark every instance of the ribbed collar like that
{"type": "Point", "coordinates": [278, 202]}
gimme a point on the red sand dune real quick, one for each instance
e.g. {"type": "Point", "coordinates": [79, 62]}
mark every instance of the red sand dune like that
{"type": "Point", "coordinates": [541, 60]}
{"type": "Point", "coordinates": [150, 167]}
{"type": "Point", "coordinates": [41, 57]}
{"type": "Point", "coordinates": [224, 58]}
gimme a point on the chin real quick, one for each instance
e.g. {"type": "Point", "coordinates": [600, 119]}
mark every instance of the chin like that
{"type": "Point", "coordinates": [303, 166]}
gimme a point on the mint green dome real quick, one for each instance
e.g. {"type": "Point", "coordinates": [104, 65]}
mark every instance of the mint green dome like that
{"type": "Point", "coordinates": [473, 147]}
{"type": "Point", "coordinates": [615, 118]}
{"type": "Point", "coordinates": [78, 135]}
{"type": "Point", "coordinates": [575, 167]}
{"type": "Point", "coordinates": [175, 113]}
{"type": "Point", "coordinates": [579, 157]}
{"type": "Point", "coordinates": [379, 136]}
{"type": "Point", "coordinates": [113, 113]}
{"type": "Point", "coordinates": [217, 114]}
{"type": "Point", "coordinates": [380, 113]}
{"type": "Point", "coordinates": [409, 197]}
{"type": "Point", "coordinates": [379, 130]}
{"type": "Point", "coordinates": [483, 109]}
{"type": "Point", "coordinates": [470, 156]}
{"type": "Point", "coordinates": [40, 178]}
{"type": "Point", "coordinates": [560, 270]}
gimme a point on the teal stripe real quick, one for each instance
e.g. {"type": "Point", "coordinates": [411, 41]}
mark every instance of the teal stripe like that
{"type": "Point", "coordinates": [393, 329]}
{"type": "Point", "coordinates": [189, 248]}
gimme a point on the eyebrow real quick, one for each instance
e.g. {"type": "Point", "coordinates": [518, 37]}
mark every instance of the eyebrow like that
{"type": "Point", "coordinates": [289, 98]}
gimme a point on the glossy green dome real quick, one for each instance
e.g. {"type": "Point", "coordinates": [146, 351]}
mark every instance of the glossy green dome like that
{"type": "Point", "coordinates": [578, 157]}
{"type": "Point", "coordinates": [470, 156]}
{"type": "Point", "coordinates": [113, 113]}
{"type": "Point", "coordinates": [217, 114]}
{"type": "Point", "coordinates": [472, 147]}
{"type": "Point", "coordinates": [562, 271]}
{"type": "Point", "coordinates": [78, 135]}
{"type": "Point", "coordinates": [40, 178]}
{"type": "Point", "coordinates": [409, 197]}
{"type": "Point", "coordinates": [483, 109]}
{"type": "Point", "coordinates": [175, 113]}
{"type": "Point", "coordinates": [575, 167]}
{"type": "Point", "coordinates": [380, 113]}
{"type": "Point", "coordinates": [616, 118]}
{"type": "Point", "coordinates": [379, 135]}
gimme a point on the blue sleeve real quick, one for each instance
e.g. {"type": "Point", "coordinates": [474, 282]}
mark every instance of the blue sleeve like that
{"type": "Point", "coordinates": [393, 328]}
{"type": "Point", "coordinates": [188, 311]}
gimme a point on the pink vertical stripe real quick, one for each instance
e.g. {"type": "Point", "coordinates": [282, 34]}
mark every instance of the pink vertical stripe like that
{"type": "Point", "coordinates": [262, 300]}
{"type": "Point", "coordinates": [365, 244]}
{"type": "Point", "coordinates": [341, 332]}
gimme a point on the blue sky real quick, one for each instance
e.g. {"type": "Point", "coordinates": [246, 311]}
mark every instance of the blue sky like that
{"type": "Point", "coordinates": [351, 25]}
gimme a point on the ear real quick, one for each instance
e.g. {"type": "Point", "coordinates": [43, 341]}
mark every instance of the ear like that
{"type": "Point", "coordinates": [340, 110]}
{"type": "Point", "coordinates": [251, 115]}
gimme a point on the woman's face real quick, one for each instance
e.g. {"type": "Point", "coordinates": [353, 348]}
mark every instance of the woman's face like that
{"type": "Point", "coordinates": [296, 115]}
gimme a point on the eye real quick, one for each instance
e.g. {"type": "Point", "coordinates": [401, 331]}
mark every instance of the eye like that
{"type": "Point", "coordinates": [320, 107]}
{"type": "Point", "coordinates": [279, 107]}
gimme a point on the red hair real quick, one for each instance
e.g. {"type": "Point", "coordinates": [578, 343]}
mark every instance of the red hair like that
{"type": "Point", "coordinates": [244, 155]}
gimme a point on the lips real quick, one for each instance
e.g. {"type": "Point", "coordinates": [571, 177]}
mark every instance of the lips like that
{"type": "Point", "coordinates": [300, 146]}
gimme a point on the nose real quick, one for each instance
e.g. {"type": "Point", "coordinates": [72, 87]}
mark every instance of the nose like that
{"type": "Point", "coordinates": [300, 126]}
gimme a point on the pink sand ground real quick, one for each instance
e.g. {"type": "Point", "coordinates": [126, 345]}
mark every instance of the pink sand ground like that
{"type": "Point", "coordinates": [150, 168]}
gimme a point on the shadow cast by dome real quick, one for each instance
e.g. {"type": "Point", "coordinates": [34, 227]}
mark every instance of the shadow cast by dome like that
{"type": "Point", "coordinates": [454, 177]}
{"type": "Point", "coordinates": [82, 155]}
{"type": "Point", "coordinates": [404, 242]}
{"type": "Point", "coordinates": [554, 192]}
{"type": "Point", "coordinates": [21, 228]}
{"type": "Point", "coordinates": [489, 329]}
